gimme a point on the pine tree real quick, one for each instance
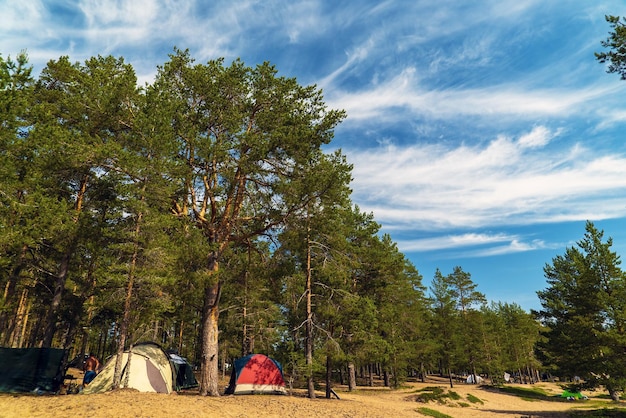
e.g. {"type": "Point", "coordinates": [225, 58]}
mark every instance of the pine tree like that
{"type": "Point", "coordinates": [616, 43]}
{"type": "Point", "coordinates": [463, 291]}
{"type": "Point", "coordinates": [78, 111]}
{"type": "Point", "coordinates": [445, 324]}
{"type": "Point", "coordinates": [583, 311]}
{"type": "Point", "coordinates": [246, 137]}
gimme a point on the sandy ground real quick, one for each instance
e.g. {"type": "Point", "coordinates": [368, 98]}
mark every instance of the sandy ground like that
{"type": "Point", "coordinates": [365, 402]}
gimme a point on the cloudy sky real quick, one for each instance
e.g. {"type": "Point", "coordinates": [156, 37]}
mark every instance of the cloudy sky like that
{"type": "Point", "coordinates": [483, 133]}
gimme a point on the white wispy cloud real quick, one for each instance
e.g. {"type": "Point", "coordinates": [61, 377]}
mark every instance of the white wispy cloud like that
{"type": "Point", "coordinates": [514, 246]}
{"type": "Point", "coordinates": [403, 96]}
{"type": "Point", "coordinates": [471, 245]}
{"type": "Point", "coordinates": [448, 241]}
{"type": "Point", "coordinates": [512, 181]}
{"type": "Point", "coordinates": [121, 13]}
{"type": "Point", "coordinates": [13, 13]}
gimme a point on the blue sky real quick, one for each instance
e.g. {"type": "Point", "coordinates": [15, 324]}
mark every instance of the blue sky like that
{"type": "Point", "coordinates": [483, 133]}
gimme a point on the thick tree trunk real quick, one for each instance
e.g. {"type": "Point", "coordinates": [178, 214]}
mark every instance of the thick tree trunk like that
{"type": "Point", "coordinates": [351, 377]}
{"type": "Point", "coordinates": [209, 375]}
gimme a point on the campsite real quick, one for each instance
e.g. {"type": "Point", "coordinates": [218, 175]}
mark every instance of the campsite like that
{"type": "Point", "coordinates": [158, 384]}
{"type": "Point", "coordinates": [37, 382]}
{"type": "Point", "coordinates": [472, 402]}
{"type": "Point", "coordinates": [200, 239]}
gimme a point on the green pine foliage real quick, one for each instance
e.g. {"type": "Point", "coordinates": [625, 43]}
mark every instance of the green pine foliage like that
{"type": "Point", "coordinates": [202, 212]}
{"type": "Point", "coordinates": [583, 312]}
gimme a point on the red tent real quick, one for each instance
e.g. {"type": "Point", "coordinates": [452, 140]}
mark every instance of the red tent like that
{"type": "Point", "coordinates": [256, 373]}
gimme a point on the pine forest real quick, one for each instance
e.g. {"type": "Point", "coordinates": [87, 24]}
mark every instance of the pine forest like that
{"type": "Point", "coordinates": [207, 211]}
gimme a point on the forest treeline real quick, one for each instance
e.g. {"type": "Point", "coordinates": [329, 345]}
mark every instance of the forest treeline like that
{"type": "Point", "coordinates": [202, 212]}
{"type": "Point", "coordinates": [203, 205]}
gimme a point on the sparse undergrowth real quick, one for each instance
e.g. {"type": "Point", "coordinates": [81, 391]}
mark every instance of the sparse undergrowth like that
{"type": "Point", "coordinates": [439, 395]}
{"type": "Point", "coordinates": [453, 395]}
{"type": "Point", "coordinates": [430, 394]}
{"type": "Point", "coordinates": [474, 399]}
{"type": "Point", "coordinates": [432, 413]}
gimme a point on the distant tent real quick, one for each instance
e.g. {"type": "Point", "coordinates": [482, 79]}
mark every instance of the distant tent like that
{"type": "Point", "coordinates": [256, 373]}
{"type": "Point", "coordinates": [474, 379]}
{"type": "Point", "coordinates": [31, 369]}
{"type": "Point", "coordinates": [150, 370]}
{"type": "Point", "coordinates": [184, 377]}
{"type": "Point", "coordinates": [573, 395]}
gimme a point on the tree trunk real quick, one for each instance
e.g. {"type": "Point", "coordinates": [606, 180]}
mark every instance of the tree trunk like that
{"type": "Point", "coordinates": [155, 331]}
{"type": "Point", "coordinates": [16, 338]}
{"type": "Point", "coordinates": [57, 297]}
{"type": "Point", "coordinates": [127, 307]}
{"type": "Point", "coordinates": [180, 332]}
{"type": "Point", "coordinates": [474, 373]}
{"type": "Point", "coordinates": [64, 265]}
{"type": "Point", "coordinates": [127, 366]}
{"type": "Point", "coordinates": [309, 322]}
{"type": "Point", "coordinates": [23, 325]}
{"type": "Point", "coordinates": [450, 377]}
{"type": "Point", "coordinates": [328, 377]}
{"type": "Point", "coordinates": [209, 375]}
{"type": "Point", "coordinates": [351, 377]}
{"type": "Point", "coordinates": [6, 326]}
{"type": "Point", "coordinates": [117, 374]}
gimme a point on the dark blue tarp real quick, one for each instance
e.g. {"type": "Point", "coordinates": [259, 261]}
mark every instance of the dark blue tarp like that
{"type": "Point", "coordinates": [31, 369]}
